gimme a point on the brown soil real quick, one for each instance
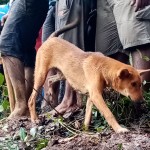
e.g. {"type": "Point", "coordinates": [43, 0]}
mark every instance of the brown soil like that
{"type": "Point", "coordinates": [60, 138]}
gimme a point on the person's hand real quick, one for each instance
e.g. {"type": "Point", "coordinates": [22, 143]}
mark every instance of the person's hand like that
{"type": "Point", "coordinates": [139, 4]}
{"type": "Point", "coordinates": [4, 18]}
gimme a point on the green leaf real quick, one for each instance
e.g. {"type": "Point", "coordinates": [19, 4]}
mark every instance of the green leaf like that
{"type": "Point", "coordinates": [22, 134]}
{"type": "Point", "coordinates": [1, 108]}
{"type": "Point", "coordinates": [146, 58]}
{"type": "Point", "coordinates": [120, 146]}
{"type": "Point", "coordinates": [41, 144]}
{"type": "Point", "coordinates": [5, 104]}
{"type": "Point", "coordinates": [25, 139]}
{"type": "Point", "coordinates": [1, 79]}
{"type": "Point", "coordinates": [100, 129]}
{"type": "Point", "coordinates": [5, 91]}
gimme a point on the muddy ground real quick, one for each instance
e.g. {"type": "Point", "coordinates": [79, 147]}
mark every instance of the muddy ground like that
{"type": "Point", "coordinates": [68, 135]}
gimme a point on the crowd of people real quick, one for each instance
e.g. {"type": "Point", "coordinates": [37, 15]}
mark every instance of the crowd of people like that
{"type": "Point", "coordinates": [116, 28]}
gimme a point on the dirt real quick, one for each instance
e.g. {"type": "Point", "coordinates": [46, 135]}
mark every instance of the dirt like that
{"type": "Point", "coordinates": [60, 136]}
{"type": "Point", "coordinates": [129, 141]}
{"type": "Point", "coordinates": [68, 134]}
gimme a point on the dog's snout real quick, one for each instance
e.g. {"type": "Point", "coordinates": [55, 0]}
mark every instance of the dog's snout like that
{"type": "Point", "coordinates": [138, 105]}
{"type": "Point", "coordinates": [137, 99]}
{"type": "Point", "coordinates": [139, 102]}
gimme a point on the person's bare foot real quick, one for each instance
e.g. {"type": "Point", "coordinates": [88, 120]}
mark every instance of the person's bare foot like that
{"type": "Point", "coordinates": [18, 112]}
{"type": "Point", "coordinates": [68, 106]}
{"type": "Point", "coordinates": [71, 110]}
{"type": "Point", "coordinates": [64, 109]}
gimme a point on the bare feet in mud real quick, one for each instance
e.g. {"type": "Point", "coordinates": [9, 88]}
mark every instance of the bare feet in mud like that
{"type": "Point", "coordinates": [68, 106]}
{"type": "Point", "coordinates": [64, 110]}
{"type": "Point", "coordinates": [18, 112]}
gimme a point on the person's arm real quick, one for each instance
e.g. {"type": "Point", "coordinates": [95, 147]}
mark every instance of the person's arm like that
{"type": "Point", "coordinates": [139, 4]}
{"type": "Point", "coordinates": [4, 18]}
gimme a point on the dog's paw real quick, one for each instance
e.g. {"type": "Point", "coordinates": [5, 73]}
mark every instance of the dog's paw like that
{"type": "Point", "coordinates": [122, 130]}
{"type": "Point", "coordinates": [35, 120]}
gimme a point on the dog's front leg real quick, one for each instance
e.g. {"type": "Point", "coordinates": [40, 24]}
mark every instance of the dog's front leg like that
{"type": "Point", "coordinates": [99, 102]}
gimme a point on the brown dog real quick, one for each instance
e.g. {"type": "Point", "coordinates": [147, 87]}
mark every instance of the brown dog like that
{"type": "Point", "coordinates": [88, 72]}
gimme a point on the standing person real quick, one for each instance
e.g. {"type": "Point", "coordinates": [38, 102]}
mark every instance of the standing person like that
{"type": "Point", "coordinates": [123, 27]}
{"type": "Point", "coordinates": [66, 12]}
{"type": "Point", "coordinates": [17, 47]}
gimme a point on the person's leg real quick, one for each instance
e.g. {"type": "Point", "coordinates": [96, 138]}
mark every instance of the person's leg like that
{"type": "Point", "coordinates": [29, 76]}
{"type": "Point", "coordinates": [72, 100]}
{"type": "Point", "coordinates": [11, 49]}
{"type": "Point", "coordinates": [50, 92]}
{"type": "Point", "coordinates": [13, 66]}
{"type": "Point", "coordinates": [11, 95]}
{"type": "Point", "coordinates": [69, 102]}
{"type": "Point", "coordinates": [141, 60]}
{"type": "Point", "coordinates": [37, 16]}
{"type": "Point", "coordinates": [29, 72]}
{"type": "Point", "coordinates": [17, 47]}
{"type": "Point", "coordinates": [134, 35]}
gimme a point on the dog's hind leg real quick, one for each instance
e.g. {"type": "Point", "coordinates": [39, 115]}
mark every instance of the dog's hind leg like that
{"type": "Point", "coordinates": [41, 71]}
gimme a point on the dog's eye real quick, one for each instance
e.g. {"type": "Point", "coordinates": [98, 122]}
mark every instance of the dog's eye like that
{"type": "Point", "coordinates": [134, 84]}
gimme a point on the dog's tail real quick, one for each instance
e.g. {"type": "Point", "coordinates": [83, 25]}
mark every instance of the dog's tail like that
{"type": "Point", "coordinates": [68, 26]}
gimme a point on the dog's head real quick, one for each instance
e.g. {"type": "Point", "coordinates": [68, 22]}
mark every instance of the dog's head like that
{"type": "Point", "coordinates": [129, 84]}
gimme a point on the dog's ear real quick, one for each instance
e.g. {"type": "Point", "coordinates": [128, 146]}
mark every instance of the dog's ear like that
{"type": "Point", "coordinates": [123, 73]}
{"type": "Point", "coordinates": [143, 71]}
